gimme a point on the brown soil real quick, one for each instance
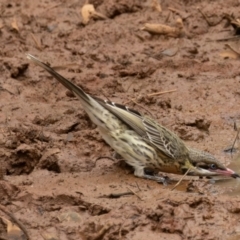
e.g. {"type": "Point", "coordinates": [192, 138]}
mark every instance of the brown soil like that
{"type": "Point", "coordinates": [49, 147]}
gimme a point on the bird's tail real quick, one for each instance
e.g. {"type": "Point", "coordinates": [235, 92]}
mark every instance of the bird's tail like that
{"type": "Point", "coordinates": [72, 87]}
{"type": "Point", "coordinates": [97, 112]}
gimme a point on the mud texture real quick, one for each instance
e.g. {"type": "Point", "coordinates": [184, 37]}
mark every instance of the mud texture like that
{"type": "Point", "coordinates": [50, 179]}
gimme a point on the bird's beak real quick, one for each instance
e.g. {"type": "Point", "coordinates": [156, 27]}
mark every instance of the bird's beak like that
{"type": "Point", "coordinates": [228, 172]}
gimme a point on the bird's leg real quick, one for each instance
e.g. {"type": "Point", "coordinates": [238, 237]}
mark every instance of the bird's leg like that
{"type": "Point", "coordinates": [139, 172]}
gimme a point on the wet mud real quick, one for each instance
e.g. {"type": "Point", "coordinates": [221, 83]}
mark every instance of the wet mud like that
{"type": "Point", "coordinates": [50, 180]}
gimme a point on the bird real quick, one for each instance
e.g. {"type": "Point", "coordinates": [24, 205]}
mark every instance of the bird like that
{"type": "Point", "coordinates": [142, 142]}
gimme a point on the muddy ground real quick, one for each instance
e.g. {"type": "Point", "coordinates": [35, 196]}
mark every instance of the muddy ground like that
{"type": "Point", "coordinates": [48, 146]}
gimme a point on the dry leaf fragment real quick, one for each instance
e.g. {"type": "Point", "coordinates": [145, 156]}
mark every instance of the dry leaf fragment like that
{"type": "Point", "coordinates": [70, 216]}
{"type": "Point", "coordinates": [170, 52]}
{"type": "Point", "coordinates": [14, 24]}
{"type": "Point", "coordinates": [88, 11]}
{"type": "Point", "coordinates": [50, 234]}
{"type": "Point", "coordinates": [156, 6]}
{"type": "Point", "coordinates": [13, 231]}
{"type": "Point", "coordinates": [235, 22]}
{"type": "Point", "coordinates": [157, 28]}
{"type": "Point", "coordinates": [230, 53]}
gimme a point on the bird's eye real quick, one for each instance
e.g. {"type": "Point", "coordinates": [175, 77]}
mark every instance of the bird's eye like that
{"type": "Point", "coordinates": [213, 166]}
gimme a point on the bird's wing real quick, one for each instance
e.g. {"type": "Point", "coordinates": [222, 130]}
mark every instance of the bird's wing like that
{"type": "Point", "coordinates": [166, 141]}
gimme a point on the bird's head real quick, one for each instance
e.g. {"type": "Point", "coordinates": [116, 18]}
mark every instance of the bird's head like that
{"type": "Point", "coordinates": [204, 164]}
{"type": "Point", "coordinates": [212, 169]}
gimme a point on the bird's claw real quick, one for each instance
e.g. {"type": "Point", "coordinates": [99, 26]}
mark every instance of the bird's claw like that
{"type": "Point", "coordinates": [164, 180]}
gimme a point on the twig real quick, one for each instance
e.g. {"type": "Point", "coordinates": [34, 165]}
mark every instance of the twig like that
{"type": "Point", "coordinates": [14, 220]}
{"type": "Point", "coordinates": [101, 157]}
{"type": "Point", "coordinates": [54, 6]}
{"type": "Point", "coordinates": [120, 231]}
{"type": "Point", "coordinates": [116, 195]}
{"type": "Point", "coordinates": [100, 234]}
{"type": "Point", "coordinates": [36, 42]}
{"type": "Point", "coordinates": [208, 22]}
{"type": "Point", "coordinates": [2, 170]}
{"type": "Point", "coordinates": [138, 187]}
{"type": "Point", "coordinates": [168, 17]}
{"type": "Point", "coordinates": [160, 93]}
{"type": "Point", "coordinates": [185, 174]}
{"type": "Point", "coordinates": [235, 127]}
{"type": "Point", "coordinates": [228, 46]}
{"type": "Point", "coordinates": [105, 96]}
{"type": "Point", "coordinates": [182, 14]}
{"type": "Point", "coordinates": [141, 106]}
{"type": "Point", "coordinates": [152, 94]}
{"type": "Point", "coordinates": [226, 39]}
{"type": "Point", "coordinates": [135, 193]}
{"type": "Point", "coordinates": [174, 10]}
{"type": "Point", "coordinates": [129, 100]}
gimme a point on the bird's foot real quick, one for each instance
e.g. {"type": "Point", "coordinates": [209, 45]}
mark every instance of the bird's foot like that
{"type": "Point", "coordinates": [149, 174]}
{"type": "Point", "coordinates": [163, 180]}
